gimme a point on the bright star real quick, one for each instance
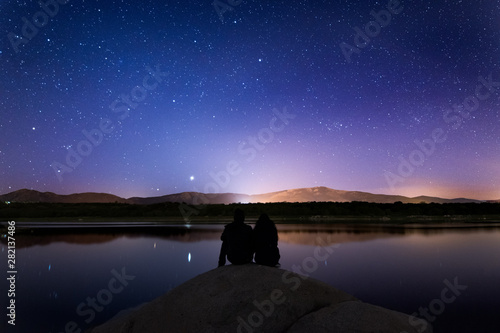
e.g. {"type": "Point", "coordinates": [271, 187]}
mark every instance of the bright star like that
{"type": "Point", "coordinates": [191, 178]}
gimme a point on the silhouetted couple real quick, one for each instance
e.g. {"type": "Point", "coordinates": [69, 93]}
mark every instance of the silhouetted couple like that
{"type": "Point", "coordinates": [240, 242]}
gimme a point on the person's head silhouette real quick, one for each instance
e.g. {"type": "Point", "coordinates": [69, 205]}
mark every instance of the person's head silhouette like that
{"type": "Point", "coordinates": [264, 219]}
{"type": "Point", "coordinates": [264, 222]}
{"type": "Point", "coordinates": [239, 216]}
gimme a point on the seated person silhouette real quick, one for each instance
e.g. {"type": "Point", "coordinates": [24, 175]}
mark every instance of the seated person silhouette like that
{"type": "Point", "coordinates": [265, 237]}
{"type": "Point", "coordinates": [236, 241]}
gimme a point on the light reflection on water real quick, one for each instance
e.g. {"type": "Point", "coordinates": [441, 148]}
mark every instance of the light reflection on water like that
{"type": "Point", "coordinates": [395, 267]}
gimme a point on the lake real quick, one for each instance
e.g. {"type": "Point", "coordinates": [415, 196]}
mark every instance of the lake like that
{"type": "Point", "coordinates": [88, 274]}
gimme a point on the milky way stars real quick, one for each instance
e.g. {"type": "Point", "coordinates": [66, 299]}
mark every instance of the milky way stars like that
{"type": "Point", "coordinates": [157, 97]}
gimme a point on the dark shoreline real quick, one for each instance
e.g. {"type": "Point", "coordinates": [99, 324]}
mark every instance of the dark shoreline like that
{"type": "Point", "coordinates": [352, 220]}
{"type": "Point", "coordinates": [354, 213]}
{"type": "Point", "coordinates": [25, 226]}
{"type": "Point", "coordinates": [199, 220]}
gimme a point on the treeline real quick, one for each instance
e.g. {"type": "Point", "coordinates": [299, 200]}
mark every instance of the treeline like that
{"type": "Point", "coordinates": [108, 210]}
{"type": "Point", "coordinates": [355, 208]}
{"type": "Point", "coordinates": [286, 210]}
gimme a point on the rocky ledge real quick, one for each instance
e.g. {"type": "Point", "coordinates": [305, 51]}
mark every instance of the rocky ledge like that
{"type": "Point", "coordinates": [252, 298]}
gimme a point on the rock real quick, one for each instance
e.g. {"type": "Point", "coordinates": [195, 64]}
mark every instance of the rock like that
{"type": "Point", "coordinates": [354, 316]}
{"type": "Point", "coordinates": [252, 298]}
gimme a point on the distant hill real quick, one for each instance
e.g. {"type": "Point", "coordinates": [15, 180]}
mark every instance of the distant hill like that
{"type": "Point", "coordinates": [295, 195]}
{"type": "Point", "coordinates": [328, 194]}
{"type": "Point", "coordinates": [25, 195]}
{"type": "Point", "coordinates": [193, 198]}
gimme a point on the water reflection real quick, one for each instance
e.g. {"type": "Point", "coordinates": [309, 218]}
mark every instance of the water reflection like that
{"type": "Point", "coordinates": [399, 267]}
{"type": "Point", "coordinates": [305, 234]}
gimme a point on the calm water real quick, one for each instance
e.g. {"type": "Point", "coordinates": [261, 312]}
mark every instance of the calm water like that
{"type": "Point", "coordinates": [60, 269]}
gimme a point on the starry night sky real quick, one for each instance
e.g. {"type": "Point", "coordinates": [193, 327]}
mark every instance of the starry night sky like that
{"type": "Point", "coordinates": [267, 96]}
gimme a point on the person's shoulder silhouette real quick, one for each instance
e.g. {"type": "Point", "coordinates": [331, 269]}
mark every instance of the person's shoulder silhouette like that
{"type": "Point", "coordinates": [265, 237]}
{"type": "Point", "coordinates": [236, 241]}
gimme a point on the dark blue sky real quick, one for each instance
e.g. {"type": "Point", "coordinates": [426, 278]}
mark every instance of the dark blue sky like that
{"type": "Point", "coordinates": [174, 97]}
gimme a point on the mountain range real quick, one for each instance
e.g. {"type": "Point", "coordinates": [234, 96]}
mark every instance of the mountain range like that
{"type": "Point", "coordinates": [294, 195]}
